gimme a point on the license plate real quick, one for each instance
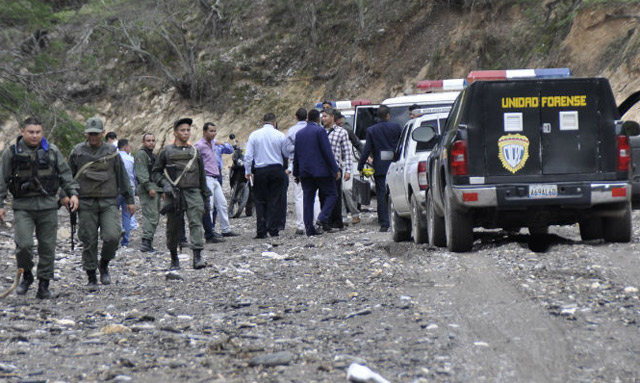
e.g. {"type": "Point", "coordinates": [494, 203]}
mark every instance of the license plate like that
{"type": "Point", "coordinates": [543, 191]}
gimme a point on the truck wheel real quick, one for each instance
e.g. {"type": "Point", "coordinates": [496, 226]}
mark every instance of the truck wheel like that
{"type": "Point", "coordinates": [418, 222]}
{"type": "Point", "coordinates": [435, 225]}
{"type": "Point", "coordinates": [400, 230]}
{"type": "Point", "coordinates": [459, 226]}
{"type": "Point", "coordinates": [591, 229]}
{"type": "Point", "coordinates": [618, 229]}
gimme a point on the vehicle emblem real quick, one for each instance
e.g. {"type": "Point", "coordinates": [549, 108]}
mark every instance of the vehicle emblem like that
{"type": "Point", "coordinates": [513, 151]}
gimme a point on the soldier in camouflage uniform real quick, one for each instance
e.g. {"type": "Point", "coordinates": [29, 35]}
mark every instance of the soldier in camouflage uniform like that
{"type": "Point", "coordinates": [33, 170]}
{"type": "Point", "coordinates": [148, 191]}
{"type": "Point", "coordinates": [180, 166]}
{"type": "Point", "coordinates": [101, 175]}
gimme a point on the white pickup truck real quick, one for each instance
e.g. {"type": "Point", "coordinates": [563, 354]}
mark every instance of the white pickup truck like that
{"type": "Point", "coordinates": [407, 181]}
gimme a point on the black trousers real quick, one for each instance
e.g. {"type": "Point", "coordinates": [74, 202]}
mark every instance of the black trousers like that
{"type": "Point", "coordinates": [335, 219]}
{"type": "Point", "coordinates": [267, 192]}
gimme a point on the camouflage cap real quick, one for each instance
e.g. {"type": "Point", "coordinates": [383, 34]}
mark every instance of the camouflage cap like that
{"type": "Point", "coordinates": [94, 125]}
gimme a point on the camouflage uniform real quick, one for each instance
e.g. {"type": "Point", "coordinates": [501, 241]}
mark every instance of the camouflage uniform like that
{"type": "Point", "coordinates": [170, 166]}
{"type": "Point", "coordinates": [35, 204]}
{"type": "Point", "coordinates": [100, 184]}
{"type": "Point", "coordinates": [144, 160]}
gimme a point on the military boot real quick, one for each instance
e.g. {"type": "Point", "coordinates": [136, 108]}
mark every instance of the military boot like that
{"type": "Point", "coordinates": [198, 263]}
{"type": "Point", "coordinates": [175, 262]}
{"type": "Point", "coordinates": [146, 246]}
{"type": "Point", "coordinates": [93, 280]}
{"type": "Point", "coordinates": [27, 280]}
{"type": "Point", "coordinates": [105, 278]}
{"type": "Point", "coordinates": [43, 289]}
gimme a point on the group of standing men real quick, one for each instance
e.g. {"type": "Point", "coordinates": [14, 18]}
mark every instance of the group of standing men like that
{"type": "Point", "coordinates": [95, 181]}
{"type": "Point", "coordinates": [320, 159]}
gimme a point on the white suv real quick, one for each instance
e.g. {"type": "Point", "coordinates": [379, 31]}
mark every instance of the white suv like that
{"type": "Point", "coordinates": [407, 181]}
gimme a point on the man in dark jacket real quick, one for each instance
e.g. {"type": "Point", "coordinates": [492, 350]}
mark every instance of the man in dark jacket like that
{"type": "Point", "coordinates": [149, 192]}
{"type": "Point", "coordinates": [316, 169]}
{"type": "Point", "coordinates": [382, 136]}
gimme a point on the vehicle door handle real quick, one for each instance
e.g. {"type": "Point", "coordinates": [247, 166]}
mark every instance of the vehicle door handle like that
{"type": "Point", "coordinates": [546, 128]}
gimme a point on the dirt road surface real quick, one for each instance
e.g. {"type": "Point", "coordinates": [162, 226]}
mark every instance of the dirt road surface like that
{"type": "Point", "coordinates": [298, 309]}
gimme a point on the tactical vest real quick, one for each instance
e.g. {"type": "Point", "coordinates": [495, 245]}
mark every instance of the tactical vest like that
{"type": "Point", "coordinates": [33, 174]}
{"type": "Point", "coordinates": [177, 160]}
{"type": "Point", "coordinates": [99, 180]}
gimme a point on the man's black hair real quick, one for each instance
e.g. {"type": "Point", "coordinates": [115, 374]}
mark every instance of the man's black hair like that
{"type": "Point", "coordinates": [301, 114]}
{"type": "Point", "coordinates": [314, 115]}
{"type": "Point", "coordinates": [327, 102]}
{"type": "Point", "coordinates": [206, 126]}
{"type": "Point", "coordinates": [413, 107]}
{"type": "Point", "coordinates": [122, 143]}
{"type": "Point", "coordinates": [269, 117]}
{"type": "Point", "coordinates": [338, 116]}
{"type": "Point", "coordinates": [383, 111]}
{"type": "Point", "coordinates": [31, 121]}
{"type": "Point", "coordinates": [329, 111]}
{"type": "Point", "coordinates": [110, 136]}
{"type": "Point", "coordinates": [145, 135]}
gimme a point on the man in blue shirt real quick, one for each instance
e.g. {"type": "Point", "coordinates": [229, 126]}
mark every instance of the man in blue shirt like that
{"type": "Point", "coordinates": [124, 150]}
{"type": "Point", "coordinates": [267, 151]}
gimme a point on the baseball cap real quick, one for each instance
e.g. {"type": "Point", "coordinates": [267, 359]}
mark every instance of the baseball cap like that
{"type": "Point", "coordinates": [94, 125]}
{"type": "Point", "coordinates": [182, 121]}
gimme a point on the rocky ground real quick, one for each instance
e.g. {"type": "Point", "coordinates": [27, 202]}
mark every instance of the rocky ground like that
{"type": "Point", "coordinates": [298, 309]}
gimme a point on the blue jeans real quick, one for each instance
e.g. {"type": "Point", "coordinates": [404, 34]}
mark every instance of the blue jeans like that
{"type": "Point", "coordinates": [126, 220]}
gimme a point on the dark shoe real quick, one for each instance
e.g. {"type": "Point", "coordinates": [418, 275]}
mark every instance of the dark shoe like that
{"type": "Point", "coordinates": [105, 278]}
{"type": "Point", "coordinates": [43, 289]}
{"type": "Point", "coordinates": [260, 236]}
{"type": "Point", "coordinates": [324, 226]}
{"type": "Point", "coordinates": [27, 280]}
{"type": "Point", "coordinates": [299, 232]}
{"type": "Point", "coordinates": [314, 233]}
{"type": "Point", "coordinates": [214, 239]}
{"type": "Point", "coordinates": [274, 234]}
{"type": "Point", "coordinates": [146, 246]}
{"type": "Point", "coordinates": [230, 234]}
{"type": "Point", "coordinates": [93, 280]}
{"type": "Point", "coordinates": [384, 229]}
{"type": "Point", "coordinates": [198, 263]}
{"type": "Point", "coordinates": [175, 262]}
{"type": "Point", "coordinates": [217, 235]}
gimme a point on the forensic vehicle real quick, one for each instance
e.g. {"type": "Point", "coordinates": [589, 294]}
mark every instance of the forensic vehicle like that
{"type": "Point", "coordinates": [531, 149]}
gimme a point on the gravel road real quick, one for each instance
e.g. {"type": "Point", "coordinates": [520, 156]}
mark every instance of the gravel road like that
{"type": "Point", "coordinates": [298, 309]}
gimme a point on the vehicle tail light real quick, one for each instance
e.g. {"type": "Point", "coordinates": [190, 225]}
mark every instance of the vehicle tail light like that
{"type": "Point", "coordinates": [624, 153]}
{"type": "Point", "coordinates": [422, 175]}
{"type": "Point", "coordinates": [459, 166]}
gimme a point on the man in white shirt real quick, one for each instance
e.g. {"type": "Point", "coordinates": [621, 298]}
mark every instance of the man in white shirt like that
{"type": "Point", "coordinates": [267, 151]}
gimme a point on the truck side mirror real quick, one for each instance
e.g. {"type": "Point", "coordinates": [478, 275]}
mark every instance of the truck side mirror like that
{"type": "Point", "coordinates": [424, 134]}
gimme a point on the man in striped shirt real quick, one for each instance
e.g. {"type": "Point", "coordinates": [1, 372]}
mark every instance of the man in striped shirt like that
{"type": "Point", "coordinates": [341, 147]}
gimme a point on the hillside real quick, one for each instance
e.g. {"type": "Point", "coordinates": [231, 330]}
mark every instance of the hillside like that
{"type": "Point", "coordinates": [142, 64]}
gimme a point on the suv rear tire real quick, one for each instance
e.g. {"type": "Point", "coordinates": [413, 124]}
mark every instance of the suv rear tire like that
{"type": "Point", "coordinates": [435, 225]}
{"type": "Point", "coordinates": [591, 229]}
{"type": "Point", "coordinates": [618, 229]}
{"type": "Point", "coordinates": [418, 222]}
{"type": "Point", "coordinates": [459, 226]}
{"type": "Point", "coordinates": [400, 229]}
